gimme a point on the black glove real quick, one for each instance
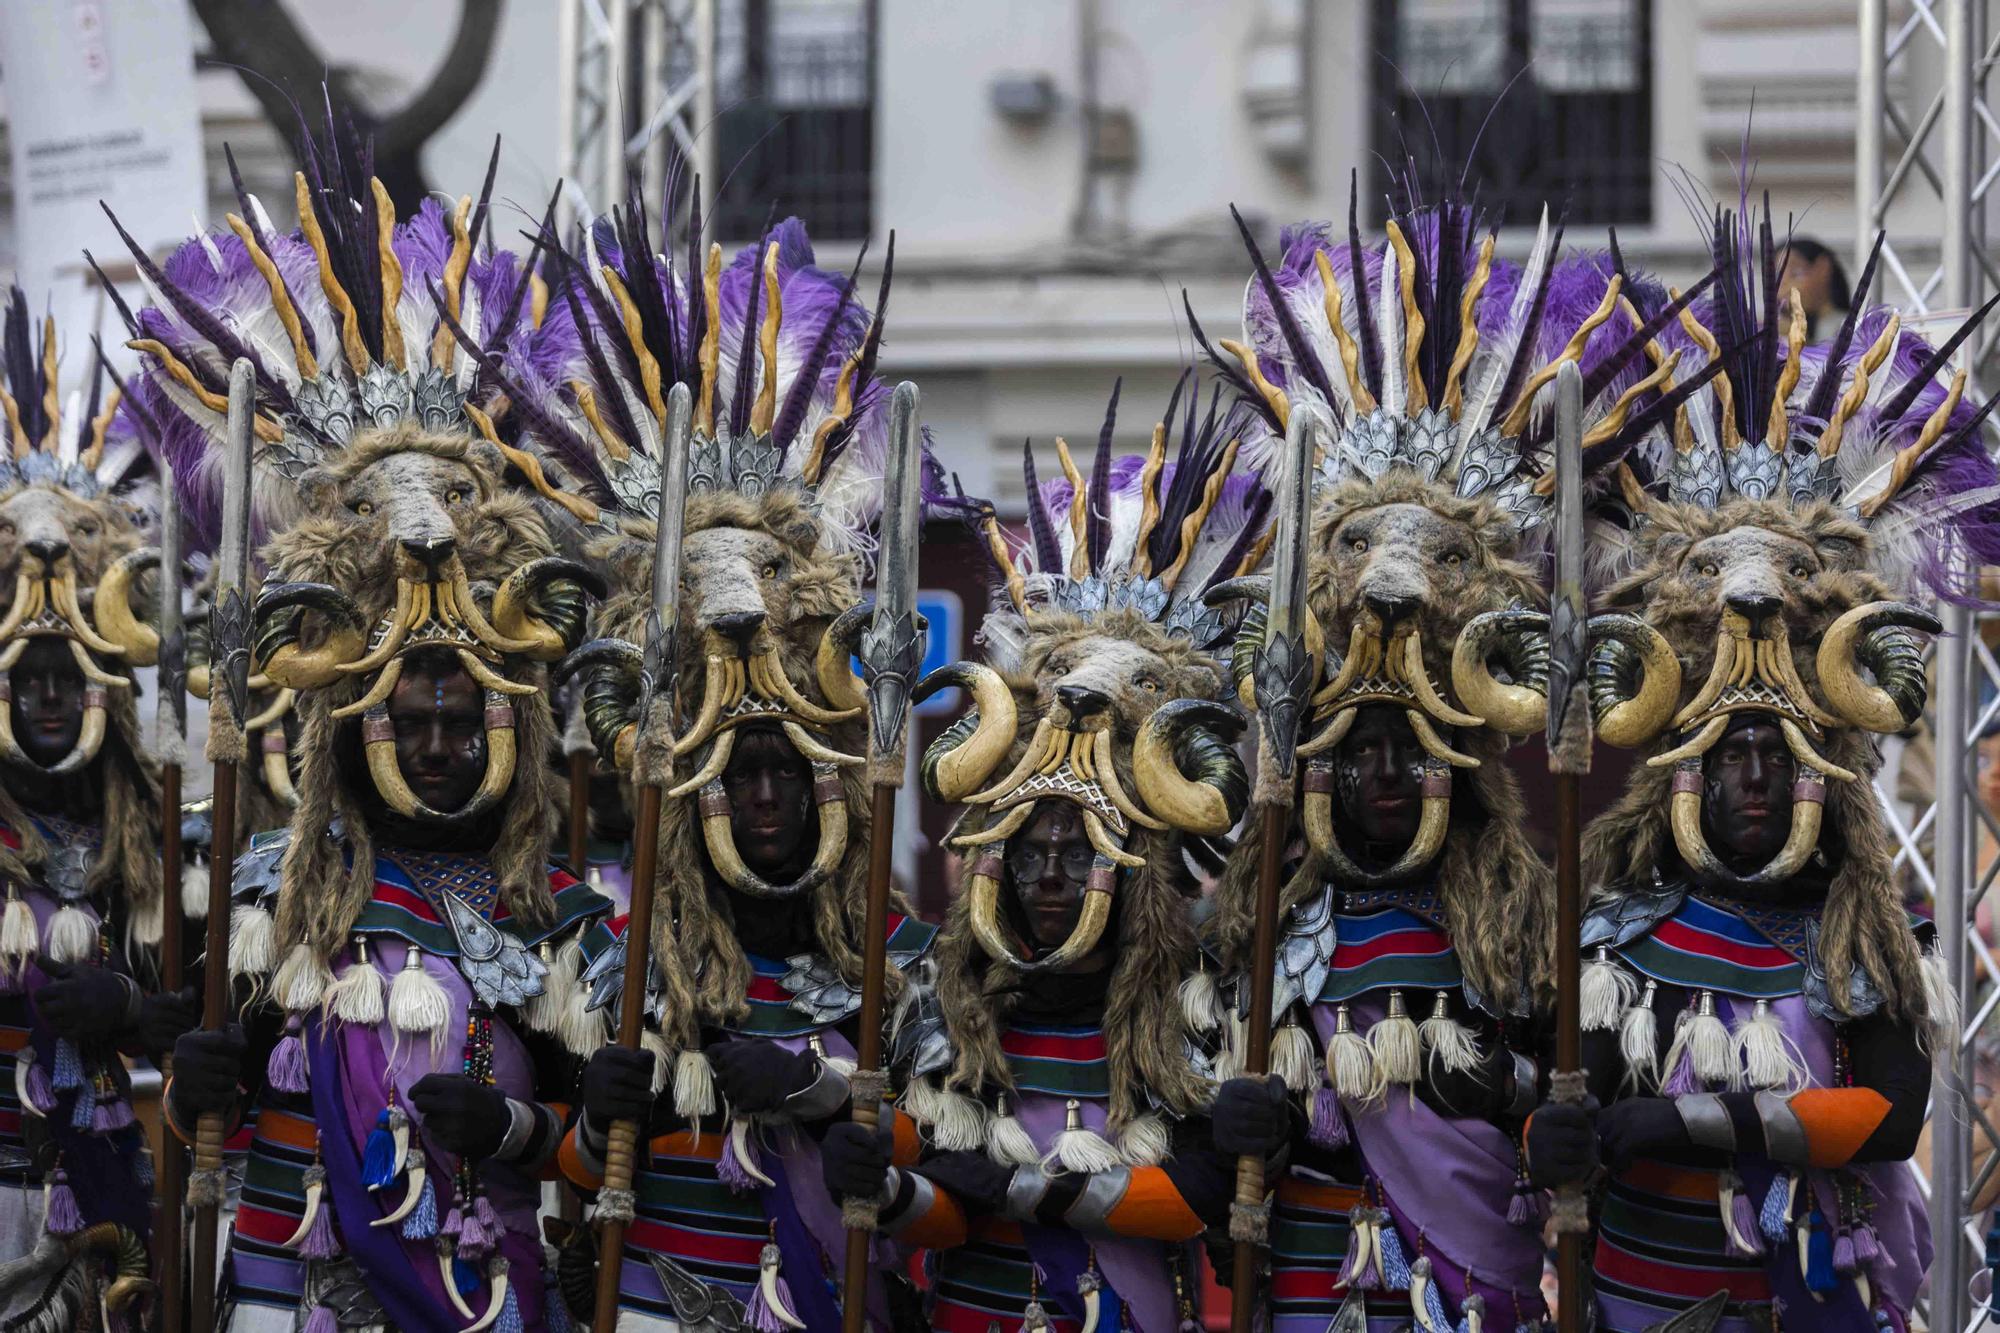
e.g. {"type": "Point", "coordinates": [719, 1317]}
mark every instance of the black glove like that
{"type": "Point", "coordinates": [854, 1160]}
{"type": "Point", "coordinates": [1640, 1127]}
{"type": "Point", "coordinates": [1562, 1143]}
{"type": "Point", "coordinates": [1479, 1093]}
{"type": "Point", "coordinates": [618, 1085]}
{"type": "Point", "coordinates": [462, 1114]}
{"type": "Point", "coordinates": [1250, 1117]}
{"type": "Point", "coordinates": [85, 1004]}
{"type": "Point", "coordinates": [208, 1066]}
{"type": "Point", "coordinates": [977, 1181]}
{"type": "Point", "coordinates": [164, 1017]}
{"type": "Point", "coordinates": [757, 1075]}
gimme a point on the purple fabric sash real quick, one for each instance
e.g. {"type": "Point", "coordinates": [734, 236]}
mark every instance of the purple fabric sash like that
{"type": "Point", "coordinates": [799, 1250]}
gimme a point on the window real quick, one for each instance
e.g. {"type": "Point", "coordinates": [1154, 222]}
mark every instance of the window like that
{"type": "Point", "coordinates": [795, 124]}
{"type": "Point", "coordinates": [1576, 128]}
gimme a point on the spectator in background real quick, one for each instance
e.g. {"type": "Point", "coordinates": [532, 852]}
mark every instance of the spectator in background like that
{"type": "Point", "coordinates": [1821, 282]}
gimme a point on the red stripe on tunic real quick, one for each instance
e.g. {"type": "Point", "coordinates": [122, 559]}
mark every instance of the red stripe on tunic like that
{"type": "Point", "coordinates": [1689, 939]}
{"type": "Point", "coordinates": [269, 1227]}
{"type": "Point", "coordinates": [646, 1234]}
{"type": "Point", "coordinates": [1054, 1046]}
{"type": "Point", "coordinates": [1397, 943]}
{"type": "Point", "coordinates": [1304, 1284]}
{"type": "Point", "coordinates": [1693, 1283]}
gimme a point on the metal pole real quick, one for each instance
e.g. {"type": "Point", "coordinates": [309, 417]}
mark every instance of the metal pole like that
{"type": "Point", "coordinates": [705, 135]}
{"type": "Point", "coordinates": [616, 121]}
{"type": "Point", "coordinates": [1870, 106]}
{"type": "Point", "coordinates": [658, 26]}
{"type": "Point", "coordinates": [567, 21]}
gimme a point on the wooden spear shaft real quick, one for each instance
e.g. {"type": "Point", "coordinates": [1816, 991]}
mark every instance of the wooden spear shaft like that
{"type": "Point", "coordinates": [170, 1174]}
{"type": "Point", "coordinates": [1569, 1015]}
{"type": "Point", "coordinates": [209, 1129]}
{"type": "Point", "coordinates": [868, 1045]}
{"type": "Point", "coordinates": [1257, 1048]}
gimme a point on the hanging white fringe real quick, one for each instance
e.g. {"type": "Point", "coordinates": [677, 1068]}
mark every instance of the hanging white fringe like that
{"type": "Point", "coordinates": [1709, 1045]}
{"type": "Point", "coordinates": [1448, 1041]}
{"type": "Point", "coordinates": [1007, 1141]}
{"type": "Point", "coordinates": [1639, 1038]}
{"type": "Point", "coordinates": [253, 946]}
{"type": "Point", "coordinates": [581, 1028]}
{"type": "Point", "coordinates": [1767, 1056]}
{"type": "Point", "coordinates": [1201, 1006]}
{"type": "Point", "coordinates": [957, 1123]}
{"type": "Point", "coordinates": [1293, 1059]}
{"type": "Point", "coordinates": [360, 994]}
{"type": "Point", "coordinates": [1941, 1004]}
{"type": "Point", "coordinates": [1398, 1056]}
{"type": "Point", "coordinates": [194, 891]}
{"type": "Point", "coordinates": [18, 935]}
{"type": "Point", "coordinates": [694, 1080]}
{"type": "Point", "coordinates": [1350, 1063]}
{"type": "Point", "coordinates": [149, 922]}
{"type": "Point", "coordinates": [71, 936]}
{"type": "Point", "coordinates": [543, 1012]}
{"type": "Point", "coordinates": [1079, 1150]}
{"type": "Point", "coordinates": [302, 980]}
{"type": "Point", "coordinates": [1607, 991]}
{"type": "Point", "coordinates": [417, 1004]}
{"type": "Point", "coordinates": [1146, 1141]}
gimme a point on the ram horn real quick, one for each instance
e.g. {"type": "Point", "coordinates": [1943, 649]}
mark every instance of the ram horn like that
{"type": "Point", "coordinates": [287, 664]}
{"type": "Point", "coordinates": [1520, 638]}
{"type": "Point", "coordinates": [111, 609]}
{"type": "Point", "coordinates": [837, 681]}
{"type": "Point", "coordinates": [610, 669]}
{"type": "Point", "coordinates": [542, 605]}
{"type": "Point", "coordinates": [1635, 680]}
{"type": "Point", "coordinates": [954, 771]}
{"type": "Point", "coordinates": [1877, 636]}
{"type": "Point", "coordinates": [1198, 803]}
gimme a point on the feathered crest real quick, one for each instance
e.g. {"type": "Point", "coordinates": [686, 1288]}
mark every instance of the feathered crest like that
{"type": "Point", "coordinates": [1139, 533]}
{"type": "Point", "coordinates": [1428, 352]}
{"type": "Point", "coordinates": [778, 354]}
{"type": "Point", "coordinates": [89, 458]}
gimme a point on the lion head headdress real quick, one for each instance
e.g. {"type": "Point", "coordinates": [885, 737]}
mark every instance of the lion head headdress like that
{"type": "Point", "coordinates": [1103, 689]}
{"type": "Point", "coordinates": [1427, 356]}
{"type": "Point", "coordinates": [1782, 522]}
{"type": "Point", "coordinates": [391, 529]}
{"type": "Point", "coordinates": [75, 499]}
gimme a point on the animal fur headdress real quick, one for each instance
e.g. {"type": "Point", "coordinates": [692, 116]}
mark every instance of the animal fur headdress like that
{"type": "Point", "coordinates": [382, 492]}
{"type": "Point", "coordinates": [1103, 692]}
{"type": "Point", "coordinates": [1783, 520]}
{"type": "Point", "coordinates": [790, 434]}
{"type": "Point", "coordinates": [75, 498]}
{"type": "Point", "coordinates": [1427, 355]}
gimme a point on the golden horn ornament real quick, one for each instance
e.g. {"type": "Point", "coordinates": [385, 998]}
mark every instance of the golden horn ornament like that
{"type": "Point", "coordinates": [378, 741]}
{"type": "Point", "coordinates": [1516, 710]}
{"type": "Point", "coordinates": [1419, 680]}
{"type": "Point", "coordinates": [1043, 740]}
{"type": "Point", "coordinates": [718, 759]}
{"type": "Point", "coordinates": [993, 937]}
{"type": "Point", "coordinates": [965, 767]}
{"type": "Point", "coordinates": [378, 693]}
{"type": "Point", "coordinates": [277, 766]}
{"type": "Point", "coordinates": [407, 613]}
{"type": "Point", "coordinates": [27, 603]}
{"type": "Point", "coordinates": [94, 674]}
{"type": "Point", "coordinates": [1632, 722]}
{"type": "Point", "coordinates": [1106, 772]}
{"type": "Point", "coordinates": [715, 696]}
{"type": "Point", "coordinates": [829, 798]}
{"type": "Point", "coordinates": [808, 745]}
{"type": "Point", "coordinates": [138, 642]}
{"type": "Point", "coordinates": [1332, 734]}
{"type": "Point", "coordinates": [62, 595]}
{"type": "Point", "coordinates": [835, 673]}
{"type": "Point", "coordinates": [1778, 670]}
{"type": "Point", "coordinates": [1424, 844]}
{"type": "Point", "coordinates": [462, 606]}
{"type": "Point", "coordinates": [1861, 702]}
{"type": "Point", "coordinates": [768, 678]}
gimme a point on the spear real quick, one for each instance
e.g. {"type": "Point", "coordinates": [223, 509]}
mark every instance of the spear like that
{"type": "Point", "coordinates": [891, 652]}
{"type": "Point", "coordinates": [170, 743]}
{"type": "Point", "coordinates": [652, 773]}
{"type": "Point", "coordinates": [1283, 675]}
{"type": "Point", "coordinates": [1568, 740]}
{"type": "Point", "coordinates": [228, 705]}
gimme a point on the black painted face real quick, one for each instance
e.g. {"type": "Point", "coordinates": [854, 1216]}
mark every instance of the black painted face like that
{"type": "Point", "coordinates": [770, 801]}
{"type": "Point", "coordinates": [48, 701]}
{"type": "Point", "coordinates": [1048, 864]}
{"type": "Point", "coordinates": [1747, 792]}
{"type": "Point", "coordinates": [440, 726]}
{"type": "Point", "coordinates": [1378, 777]}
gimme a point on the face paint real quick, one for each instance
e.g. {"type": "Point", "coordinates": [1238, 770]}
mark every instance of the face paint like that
{"type": "Point", "coordinates": [770, 792]}
{"type": "Point", "coordinates": [440, 736]}
{"type": "Point", "coordinates": [1747, 792]}
{"type": "Point", "coordinates": [48, 701]}
{"type": "Point", "coordinates": [1378, 776]}
{"type": "Point", "coordinates": [1048, 862]}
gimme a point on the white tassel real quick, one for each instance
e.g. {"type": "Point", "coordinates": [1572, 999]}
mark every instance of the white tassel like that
{"type": "Point", "coordinates": [71, 935]}
{"type": "Point", "coordinates": [302, 980]}
{"type": "Point", "coordinates": [253, 946]}
{"type": "Point", "coordinates": [18, 942]}
{"type": "Point", "coordinates": [1607, 991]}
{"type": "Point", "coordinates": [1292, 1057]}
{"type": "Point", "coordinates": [1007, 1141]}
{"type": "Point", "coordinates": [1145, 1141]}
{"type": "Point", "coordinates": [1079, 1150]}
{"type": "Point", "coordinates": [360, 994]}
{"type": "Point", "coordinates": [417, 1004]}
{"type": "Point", "coordinates": [1350, 1063]}
{"type": "Point", "coordinates": [149, 922]}
{"type": "Point", "coordinates": [581, 1028]}
{"type": "Point", "coordinates": [543, 1012]}
{"type": "Point", "coordinates": [694, 1081]}
{"type": "Point", "coordinates": [957, 1123]}
{"type": "Point", "coordinates": [194, 891]}
{"type": "Point", "coordinates": [1448, 1041]}
{"type": "Point", "coordinates": [1709, 1043]}
{"type": "Point", "coordinates": [1766, 1053]}
{"type": "Point", "coordinates": [1201, 1006]}
{"type": "Point", "coordinates": [1398, 1056]}
{"type": "Point", "coordinates": [1940, 1004]}
{"type": "Point", "coordinates": [1639, 1040]}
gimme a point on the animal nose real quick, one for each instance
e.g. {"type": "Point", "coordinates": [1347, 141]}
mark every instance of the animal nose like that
{"type": "Point", "coordinates": [48, 550]}
{"type": "Point", "coordinates": [1082, 701]}
{"type": "Point", "coordinates": [430, 552]}
{"type": "Point", "coordinates": [1390, 607]}
{"type": "Point", "coordinates": [738, 626]}
{"type": "Point", "coordinates": [1755, 607]}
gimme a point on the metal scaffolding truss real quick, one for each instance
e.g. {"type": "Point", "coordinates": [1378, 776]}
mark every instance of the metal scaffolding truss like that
{"type": "Point", "coordinates": [1944, 162]}
{"type": "Point", "coordinates": [636, 93]}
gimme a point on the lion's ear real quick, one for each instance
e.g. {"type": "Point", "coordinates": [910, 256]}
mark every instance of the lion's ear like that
{"type": "Point", "coordinates": [1840, 552]}
{"type": "Point", "coordinates": [318, 491]}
